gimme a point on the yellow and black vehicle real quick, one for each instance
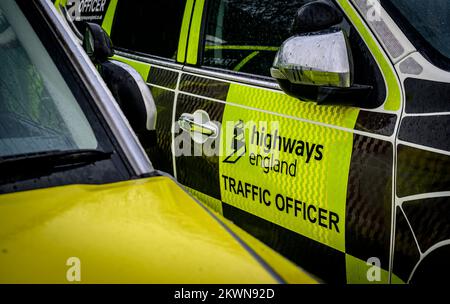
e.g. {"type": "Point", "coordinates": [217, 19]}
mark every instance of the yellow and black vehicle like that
{"type": "Point", "coordinates": [79, 199]}
{"type": "Point", "coordinates": [320, 127]}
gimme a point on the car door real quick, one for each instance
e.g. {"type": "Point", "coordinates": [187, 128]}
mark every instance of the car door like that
{"type": "Point", "coordinates": [313, 182]}
{"type": "Point", "coordinates": [157, 54]}
{"type": "Point", "coordinates": [422, 230]}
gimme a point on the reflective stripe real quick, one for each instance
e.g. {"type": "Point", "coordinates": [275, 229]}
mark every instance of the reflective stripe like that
{"type": "Point", "coordinates": [359, 272]}
{"type": "Point", "coordinates": [182, 43]}
{"type": "Point", "coordinates": [306, 192]}
{"type": "Point", "coordinates": [142, 68]}
{"type": "Point", "coordinates": [194, 34]}
{"type": "Point", "coordinates": [209, 201]}
{"type": "Point", "coordinates": [109, 17]}
{"type": "Point", "coordinates": [245, 61]}
{"type": "Point", "coordinates": [242, 47]}
{"type": "Point", "coordinates": [394, 97]}
{"type": "Point", "coordinates": [59, 3]}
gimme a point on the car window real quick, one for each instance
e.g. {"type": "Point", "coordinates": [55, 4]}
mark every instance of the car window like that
{"type": "Point", "coordinates": [244, 35]}
{"type": "Point", "coordinates": [52, 132]}
{"type": "Point", "coordinates": [38, 111]}
{"type": "Point", "coordinates": [427, 23]}
{"type": "Point", "coordinates": [150, 27]}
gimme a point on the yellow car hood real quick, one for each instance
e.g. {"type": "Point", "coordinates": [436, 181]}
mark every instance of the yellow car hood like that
{"type": "Point", "coordinates": [140, 231]}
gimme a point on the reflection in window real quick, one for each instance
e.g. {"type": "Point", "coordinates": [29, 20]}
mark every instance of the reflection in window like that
{"type": "Point", "coordinates": [38, 112]}
{"type": "Point", "coordinates": [244, 35]}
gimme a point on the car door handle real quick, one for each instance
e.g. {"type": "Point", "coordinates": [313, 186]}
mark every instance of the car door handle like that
{"type": "Point", "coordinates": [198, 125]}
{"type": "Point", "coordinates": [189, 125]}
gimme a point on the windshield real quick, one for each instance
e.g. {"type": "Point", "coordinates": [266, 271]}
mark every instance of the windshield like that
{"type": "Point", "coordinates": [427, 22]}
{"type": "Point", "coordinates": [38, 111]}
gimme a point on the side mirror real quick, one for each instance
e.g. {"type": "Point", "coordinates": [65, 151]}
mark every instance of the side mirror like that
{"type": "Point", "coordinates": [125, 83]}
{"type": "Point", "coordinates": [316, 64]}
{"type": "Point", "coordinates": [97, 43]}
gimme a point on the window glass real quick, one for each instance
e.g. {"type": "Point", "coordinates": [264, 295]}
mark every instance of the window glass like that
{"type": "Point", "coordinates": [244, 35]}
{"type": "Point", "coordinates": [150, 27]}
{"type": "Point", "coordinates": [38, 112]}
{"type": "Point", "coordinates": [427, 23]}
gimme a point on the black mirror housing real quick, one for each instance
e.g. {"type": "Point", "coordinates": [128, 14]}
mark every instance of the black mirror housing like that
{"type": "Point", "coordinates": [315, 16]}
{"type": "Point", "coordinates": [324, 95]}
{"type": "Point", "coordinates": [97, 43]}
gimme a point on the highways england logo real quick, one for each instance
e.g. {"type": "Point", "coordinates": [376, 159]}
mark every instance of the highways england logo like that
{"type": "Point", "coordinates": [238, 146]}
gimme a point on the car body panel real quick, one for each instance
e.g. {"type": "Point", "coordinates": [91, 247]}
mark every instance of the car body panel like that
{"type": "Point", "coordinates": [345, 131]}
{"type": "Point", "coordinates": [142, 231]}
{"type": "Point", "coordinates": [146, 229]}
{"type": "Point", "coordinates": [381, 165]}
{"type": "Point", "coordinates": [345, 134]}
